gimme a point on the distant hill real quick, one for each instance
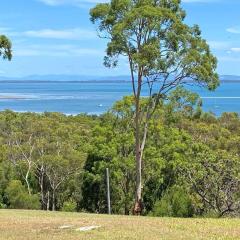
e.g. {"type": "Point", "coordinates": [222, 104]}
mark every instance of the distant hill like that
{"type": "Point", "coordinates": [62, 77]}
{"type": "Point", "coordinates": [65, 77]}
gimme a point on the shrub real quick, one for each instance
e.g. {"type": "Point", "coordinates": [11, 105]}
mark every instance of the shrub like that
{"type": "Point", "coordinates": [2, 205]}
{"type": "Point", "coordinates": [175, 203]}
{"type": "Point", "coordinates": [69, 206]}
{"type": "Point", "coordinates": [19, 198]}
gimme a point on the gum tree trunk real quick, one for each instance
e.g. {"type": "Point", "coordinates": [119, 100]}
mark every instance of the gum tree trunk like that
{"type": "Point", "coordinates": [138, 150]}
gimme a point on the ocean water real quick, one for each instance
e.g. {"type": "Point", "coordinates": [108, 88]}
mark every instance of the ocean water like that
{"type": "Point", "coordinates": [96, 97]}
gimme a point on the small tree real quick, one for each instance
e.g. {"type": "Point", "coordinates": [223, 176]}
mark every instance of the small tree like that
{"type": "Point", "coordinates": [62, 163]}
{"type": "Point", "coordinates": [18, 196]}
{"type": "Point", "coordinates": [162, 52]}
{"type": "Point", "coordinates": [176, 202]}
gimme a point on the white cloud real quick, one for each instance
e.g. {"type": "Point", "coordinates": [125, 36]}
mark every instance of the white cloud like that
{"type": "Point", "coordinates": [70, 34]}
{"type": "Point", "coordinates": [78, 3]}
{"type": "Point", "coordinates": [235, 49]}
{"type": "Point", "coordinates": [4, 29]}
{"type": "Point", "coordinates": [219, 45]}
{"type": "Point", "coordinates": [67, 34]}
{"type": "Point", "coordinates": [64, 50]}
{"type": "Point", "coordinates": [235, 30]}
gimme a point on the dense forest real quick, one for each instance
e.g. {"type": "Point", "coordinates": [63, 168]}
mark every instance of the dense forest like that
{"type": "Point", "coordinates": [191, 164]}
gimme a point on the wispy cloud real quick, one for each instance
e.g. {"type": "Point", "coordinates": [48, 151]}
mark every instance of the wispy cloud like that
{"type": "Point", "coordinates": [65, 50]}
{"type": "Point", "coordinates": [235, 49]}
{"type": "Point", "coordinates": [225, 46]}
{"type": "Point", "coordinates": [66, 34]}
{"type": "Point", "coordinates": [219, 45]}
{"type": "Point", "coordinates": [235, 30]}
{"type": "Point", "coordinates": [69, 34]}
{"type": "Point", "coordinates": [4, 30]}
{"type": "Point", "coordinates": [78, 3]}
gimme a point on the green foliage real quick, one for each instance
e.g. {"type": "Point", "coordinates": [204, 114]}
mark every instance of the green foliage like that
{"type": "Point", "coordinates": [69, 206]}
{"type": "Point", "coordinates": [176, 202]}
{"type": "Point", "coordinates": [70, 156]}
{"type": "Point", "coordinates": [163, 52]}
{"type": "Point", "coordinates": [5, 48]}
{"type": "Point", "coordinates": [184, 102]}
{"type": "Point", "coordinates": [2, 205]}
{"type": "Point", "coordinates": [112, 147]}
{"type": "Point", "coordinates": [19, 198]}
{"type": "Point", "coordinates": [44, 150]}
{"type": "Point", "coordinates": [155, 39]}
{"type": "Point", "coordinates": [214, 176]}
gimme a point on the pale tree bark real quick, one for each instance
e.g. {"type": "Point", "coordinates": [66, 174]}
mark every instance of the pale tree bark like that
{"type": "Point", "coordinates": [40, 175]}
{"type": "Point", "coordinates": [25, 156]}
{"type": "Point", "coordinates": [48, 201]}
{"type": "Point", "coordinates": [53, 200]}
{"type": "Point", "coordinates": [138, 148]}
{"type": "Point", "coordinates": [55, 182]}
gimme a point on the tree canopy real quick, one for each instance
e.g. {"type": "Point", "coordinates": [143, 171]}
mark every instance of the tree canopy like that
{"type": "Point", "coordinates": [162, 52]}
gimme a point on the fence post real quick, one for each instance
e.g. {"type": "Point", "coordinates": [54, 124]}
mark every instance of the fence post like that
{"type": "Point", "coordinates": [108, 191]}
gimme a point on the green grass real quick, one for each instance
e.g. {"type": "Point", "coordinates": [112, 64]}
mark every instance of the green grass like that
{"type": "Point", "coordinates": [26, 225]}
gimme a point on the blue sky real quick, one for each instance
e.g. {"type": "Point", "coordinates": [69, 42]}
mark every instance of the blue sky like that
{"type": "Point", "coordinates": [56, 36]}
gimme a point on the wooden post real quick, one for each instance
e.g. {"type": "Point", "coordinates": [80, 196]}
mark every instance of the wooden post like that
{"type": "Point", "coordinates": [108, 191]}
{"type": "Point", "coordinates": [48, 201]}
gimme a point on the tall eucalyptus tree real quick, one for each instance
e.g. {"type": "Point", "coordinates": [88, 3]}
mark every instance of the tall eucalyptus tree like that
{"type": "Point", "coordinates": [162, 52]}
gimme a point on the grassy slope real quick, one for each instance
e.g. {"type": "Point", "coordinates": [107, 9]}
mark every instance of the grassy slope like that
{"type": "Point", "coordinates": [26, 225]}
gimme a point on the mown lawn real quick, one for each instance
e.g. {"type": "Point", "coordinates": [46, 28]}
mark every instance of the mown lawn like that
{"type": "Point", "coordinates": [24, 225]}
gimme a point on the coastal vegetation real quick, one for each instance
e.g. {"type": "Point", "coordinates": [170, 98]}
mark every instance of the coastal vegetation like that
{"type": "Point", "coordinates": [51, 161]}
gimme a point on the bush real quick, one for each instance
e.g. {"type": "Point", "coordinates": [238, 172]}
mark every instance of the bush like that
{"type": "Point", "coordinates": [175, 203]}
{"type": "Point", "coordinates": [69, 206]}
{"type": "Point", "coordinates": [19, 198]}
{"type": "Point", "coordinates": [2, 205]}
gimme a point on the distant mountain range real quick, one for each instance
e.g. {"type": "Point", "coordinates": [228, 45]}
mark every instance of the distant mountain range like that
{"type": "Point", "coordinates": [62, 77]}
